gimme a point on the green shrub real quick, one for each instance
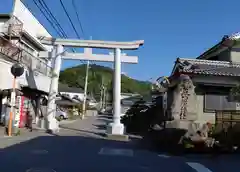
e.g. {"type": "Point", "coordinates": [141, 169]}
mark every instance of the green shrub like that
{"type": "Point", "coordinates": [140, 118]}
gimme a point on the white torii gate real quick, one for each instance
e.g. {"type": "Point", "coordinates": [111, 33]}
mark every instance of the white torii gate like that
{"type": "Point", "coordinates": [115, 128]}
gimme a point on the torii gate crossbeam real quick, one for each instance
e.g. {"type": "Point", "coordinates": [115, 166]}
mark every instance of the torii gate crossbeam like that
{"type": "Point", "coordinates": [115, 128]}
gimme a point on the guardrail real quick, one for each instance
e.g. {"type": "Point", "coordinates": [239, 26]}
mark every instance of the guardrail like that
{"type": "Point", "coordinates": [27, 59]}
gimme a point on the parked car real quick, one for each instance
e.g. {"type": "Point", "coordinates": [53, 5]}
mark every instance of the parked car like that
{"type": "Point", "coordinates": [93, 104]}
{"type": "Point", "coordinates": [61, 114]}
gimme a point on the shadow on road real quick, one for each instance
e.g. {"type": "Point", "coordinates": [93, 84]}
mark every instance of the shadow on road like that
{"type": "Point", "coordinates": [63, 154]}
{"type": "Point", "coordinates": [84, 131]}
{"type": "Point", "coordinates": [100, 126]}
{"type": "Point", "coordinates": [105, 118]}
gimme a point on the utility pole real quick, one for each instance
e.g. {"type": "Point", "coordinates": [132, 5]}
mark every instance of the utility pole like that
{"type": "Point", "coordinates": [85, 91]}
{"type": "Point", "coordinates": [104, 97]}
{"type": "Point", "coordinates": [101, 96]}
{"type": "Point", "coordinates": [101, 92]}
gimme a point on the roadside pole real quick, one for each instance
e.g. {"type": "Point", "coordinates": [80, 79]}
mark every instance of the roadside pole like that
{"type": "Point", "coordinates": [13, 96]}
{"type": "Point", "coordinates": [16, 70]}
{"type": "Point", "coordinates": [85, 92]}
{"type": "Point", "coordinates": [101, 97]}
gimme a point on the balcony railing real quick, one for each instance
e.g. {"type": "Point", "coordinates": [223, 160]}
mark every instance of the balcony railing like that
{"type": "Point", "coordinates": [20, 55]}
{"type": "Point", "coordinates": [13, 27]}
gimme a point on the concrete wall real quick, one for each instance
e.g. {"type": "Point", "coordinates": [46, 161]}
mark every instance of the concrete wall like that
{"type": "Point", "coordinates": [216, 80]}
{"type": "Point", "coordinates": [235, 56]}
{"type": "Point", "coordinates": [30, 23]}
{"type": "Point", "coordinates": [203, 117]}
{"type": "Point", "coordinates": [230, 55]}
{"type": "Point", "coordinates": [5, 73]}
{"type": "Point", "coordinates": [224, 56]}
{"type": "Point", "coordinates": [30, 78]}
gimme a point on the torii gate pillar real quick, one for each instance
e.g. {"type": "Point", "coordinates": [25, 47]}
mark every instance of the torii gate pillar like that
{"type": "Point", "coordinates": [116, 128]}
{"type": "Point", "coordinates": [52, 123]}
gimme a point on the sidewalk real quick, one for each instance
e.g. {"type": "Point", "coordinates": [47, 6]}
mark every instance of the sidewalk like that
{"type": "Point", "coordinates": [94, 126]}
{"type": "Point", "coordinates": [6, 141]}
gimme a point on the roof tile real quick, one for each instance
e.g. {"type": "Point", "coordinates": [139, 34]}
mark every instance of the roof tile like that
{"type": "Point", "coordinates": [211, 67]}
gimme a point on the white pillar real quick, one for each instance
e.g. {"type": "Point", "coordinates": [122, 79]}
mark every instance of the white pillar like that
{"type": "Point", "coordinates": [53, 91]}
{"type": "Point", "coordinates": [116, 128]}
{"type": "Point", "coordinates": [117, 87]}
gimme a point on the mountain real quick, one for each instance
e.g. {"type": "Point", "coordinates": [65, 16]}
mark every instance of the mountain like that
{"type": "Point", "coordinates": [75, 77]}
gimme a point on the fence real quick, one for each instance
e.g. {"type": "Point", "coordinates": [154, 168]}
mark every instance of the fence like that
{"type": "Point", "coordinates": [227, 119]}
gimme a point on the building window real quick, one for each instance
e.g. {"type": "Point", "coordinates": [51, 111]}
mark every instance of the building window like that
{"type": "Point", "coordinates": [213, 102]}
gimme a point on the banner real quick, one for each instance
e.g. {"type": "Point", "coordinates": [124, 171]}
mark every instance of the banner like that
{"type": "Point", "coordinates": [17, 111]}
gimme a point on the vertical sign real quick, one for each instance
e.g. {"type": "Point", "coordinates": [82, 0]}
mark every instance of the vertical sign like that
{"type": "Point", "coordinates": [21, 121]}
{"type": "Point", "coordinates": [165, 108]}
{"type": "Point", "coordinates": [165, 100]}
{"type": "Point", "coordinates": [17, 112]}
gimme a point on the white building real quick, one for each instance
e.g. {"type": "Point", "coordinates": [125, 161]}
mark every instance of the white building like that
{"type": "Point", "coordinates": [71, 92]}
{"type": "Point", "coordinates": [19, 33]}
{"type": "Point", "coordinates": [128, 95]}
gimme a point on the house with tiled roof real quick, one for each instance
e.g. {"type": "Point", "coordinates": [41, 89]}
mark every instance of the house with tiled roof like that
{"type": "Point", "coordinates": [199, 87]}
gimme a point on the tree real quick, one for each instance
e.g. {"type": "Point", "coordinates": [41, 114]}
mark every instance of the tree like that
{"type": "Point", "coordinates": [235, 94]}
{"type": "Point", "coordinates": [75, 77]}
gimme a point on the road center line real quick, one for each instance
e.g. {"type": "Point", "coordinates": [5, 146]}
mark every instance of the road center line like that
{"type": "Point", "coordinates": [198, 167]}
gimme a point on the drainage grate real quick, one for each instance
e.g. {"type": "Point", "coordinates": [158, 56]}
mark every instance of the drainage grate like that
{"type": "Point", "coordinates": [40, 170]}
{"type": "Point", "coordinates": [116, 152]}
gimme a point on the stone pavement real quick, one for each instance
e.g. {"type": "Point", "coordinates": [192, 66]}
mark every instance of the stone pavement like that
{"type": "Point", "coordinates": [80, 146]}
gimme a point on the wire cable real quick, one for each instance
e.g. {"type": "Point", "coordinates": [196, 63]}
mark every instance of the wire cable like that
{"type": "Point", "coordinates": [48, 11]}
{"type": "Point", "coordinates": [69, 18]}
{"type": "Point", "coordinates": [45, 6]}
{"type": "Point", "coordinates": [78, 18]}
{"type": "Point", "coordinates": [44, 9]}
{"type": "Point", "coordinates": [51, 23]}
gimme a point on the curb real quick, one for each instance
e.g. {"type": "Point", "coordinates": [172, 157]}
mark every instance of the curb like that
{"type": "Point", "coordinates": [66, 122]}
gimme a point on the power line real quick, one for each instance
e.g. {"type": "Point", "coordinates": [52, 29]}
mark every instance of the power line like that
{"type": "Point", "coordinates": [69, 18]}
{"type": "Point", "coordinates": [51, 23]}
{"type": "Point", "coordinates": [45, 6]}
{"type": "Point", "coordinates": [78, 18]}
{"type": "Point", "coordinates": [42, 5]}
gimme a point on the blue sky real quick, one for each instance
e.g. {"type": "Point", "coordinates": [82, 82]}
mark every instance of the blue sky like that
{"type": "Point", "coordinates": [170, 28]}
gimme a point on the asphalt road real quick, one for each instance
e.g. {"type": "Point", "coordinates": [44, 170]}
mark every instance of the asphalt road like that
{"type": "Point", "coordinates": [80, 147]}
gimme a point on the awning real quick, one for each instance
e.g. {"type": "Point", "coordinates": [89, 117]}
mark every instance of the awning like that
{"type": "Point", "coordinates": [7, 92]}
{"type": "Point", "coordinates": [34, 41]}
{"type": "Point", "coordinates": [66, 103]}
{"type": "Point", "coordinates": [28, 89]}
